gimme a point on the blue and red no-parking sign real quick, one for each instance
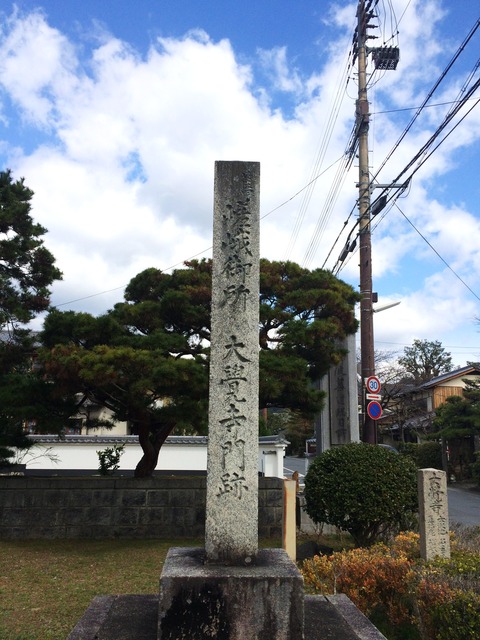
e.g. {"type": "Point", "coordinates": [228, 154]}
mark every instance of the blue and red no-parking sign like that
{"type": "Point", "coordinates": [374, 410]}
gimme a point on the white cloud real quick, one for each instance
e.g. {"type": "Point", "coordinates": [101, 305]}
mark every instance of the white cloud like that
{"type": "Point", "coordinates": [35, 60]}
{"type": "Point", "coordinates": [125, 179]}
{"type": "Point", "coordinates": [284, 78]}
{"type": "Point", "coordinates": [437, 310]}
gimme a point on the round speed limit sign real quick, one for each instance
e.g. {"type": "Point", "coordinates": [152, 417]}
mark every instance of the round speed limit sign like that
{"type": "Point", "coordinates": [373, 384]}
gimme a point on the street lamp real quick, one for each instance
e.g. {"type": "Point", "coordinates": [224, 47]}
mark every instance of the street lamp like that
{"type": "Point", "coordinates": [386, 306]}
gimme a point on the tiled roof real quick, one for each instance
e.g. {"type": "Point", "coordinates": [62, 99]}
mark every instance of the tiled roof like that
{"type": "Point", "coordinates": [190, 440]}
{"type": "Point", "coordinates": [451, 375]}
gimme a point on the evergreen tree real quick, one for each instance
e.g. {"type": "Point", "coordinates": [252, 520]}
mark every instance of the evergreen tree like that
{"type": "Point", "coordinates": [459, 416]}
{"type": "Point", "coordinates": [147, 359]}
{"type": "Point", "coordinates": [27, 269]}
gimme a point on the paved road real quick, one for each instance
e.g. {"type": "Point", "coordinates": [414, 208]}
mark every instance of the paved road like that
{"type": "Point", "coordinates": [463, 504]}
{"type": "Point", "coordinates": [296, 464]}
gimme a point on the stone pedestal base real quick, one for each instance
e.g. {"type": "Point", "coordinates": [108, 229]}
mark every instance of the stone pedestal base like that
{"type": "Point", "coordinates": [200, 601]}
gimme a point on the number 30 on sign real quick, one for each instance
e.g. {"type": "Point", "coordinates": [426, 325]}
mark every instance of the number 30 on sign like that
{"type": "Point", "coordinates": [373, 384]}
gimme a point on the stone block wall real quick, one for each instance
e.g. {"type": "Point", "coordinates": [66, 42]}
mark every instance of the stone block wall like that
{"type": "Point", "coordinates": [97, 507]}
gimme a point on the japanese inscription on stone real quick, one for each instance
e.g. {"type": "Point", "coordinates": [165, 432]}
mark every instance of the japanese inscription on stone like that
{"type": "Point", "coordinates": [433, 510]}
{"type": "Point", "coordinates": [232, 478]}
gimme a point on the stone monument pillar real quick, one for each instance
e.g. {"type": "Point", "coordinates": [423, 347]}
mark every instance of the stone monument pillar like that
{"type": "Point", "coordinates": [337, 423]}
{"type": "Point", "coordinates": [231, 534]}
{"type": "Point", "coordinates": [433, 514]}
{"type": "Point", "coordinates": [231, 590]}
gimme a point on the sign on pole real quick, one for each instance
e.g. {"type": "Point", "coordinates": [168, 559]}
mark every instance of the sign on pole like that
{"type": "Point", "coordinates": [374, 410]}
{"type": "Point", "coordinates": [373, 384]}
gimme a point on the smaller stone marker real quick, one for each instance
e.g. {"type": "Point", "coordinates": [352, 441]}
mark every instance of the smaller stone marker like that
{"type": "Point", "coordinates": [289, 528]}
{"type": "Point", "coordinates": [433, 512]}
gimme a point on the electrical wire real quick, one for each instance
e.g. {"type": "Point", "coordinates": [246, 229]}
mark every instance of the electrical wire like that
{"type": "Point", "coordinates": [464, 96]}
{"type": "Point", "coordinates": [424, 159]}
{"type": "Point", "coordinates": [425, 149]}
{"type": "Point", "coordinates": [427, 106]}
{"type": "Point", "coordinates": [389, 193]}
{"type": "Point", "coordinates": [430, 94]}
{"type": "Point", "coordinates": [177, 264]}
{"type": "Point", "coordinates": [353, 144]}
{"type": "Point", "coordinates": [392, 195]}
{"type": "Point", "coordinates": [403, 13]}
{"type": "Point", "coordinates": [320, 156]}
{"type": "Point", "coordinates": [302, 189]}
{"type": "Point", "coordinates": [347, 159]}
{"type": "Point", "coordinates": [328, 207]}
{"type": "Point", "coordinates": [438, 254]}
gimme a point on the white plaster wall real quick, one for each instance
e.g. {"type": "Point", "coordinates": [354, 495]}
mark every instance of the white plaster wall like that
{"type": "Point", "coordinates": [458, 382]}
{"type": "Point", "coordinates": [173, 457]}
{"type": "Point", "coordinates": [270, 461]}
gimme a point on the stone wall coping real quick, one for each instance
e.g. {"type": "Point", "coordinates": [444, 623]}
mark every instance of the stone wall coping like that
{"type": "Point", "coordinates": [104, 482]}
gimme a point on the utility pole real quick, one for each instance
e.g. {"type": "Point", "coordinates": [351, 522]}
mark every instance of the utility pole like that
{"type": "Point", "coordinates": [384, 58]}
{"type": "Point", "coordinates": [366, 294]}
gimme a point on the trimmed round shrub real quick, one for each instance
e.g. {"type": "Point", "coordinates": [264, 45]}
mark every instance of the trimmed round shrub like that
{"type": "Point", "coordinates": [364, 489]}
{"type": "Point", "coordinates": [426, 455]}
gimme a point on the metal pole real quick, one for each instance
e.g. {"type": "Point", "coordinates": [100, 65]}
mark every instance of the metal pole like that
{"type": "Point", "coordinates": [366, 309]}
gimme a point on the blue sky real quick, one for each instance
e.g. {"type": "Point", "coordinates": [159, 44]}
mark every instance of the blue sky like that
{"type": "Point", "coordinates": [114, 112]}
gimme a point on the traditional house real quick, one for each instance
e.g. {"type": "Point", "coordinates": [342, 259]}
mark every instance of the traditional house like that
{"type": "Point", "coordinates": [434, 393]}
{"type": "Point", "coordinates": [411, 408]}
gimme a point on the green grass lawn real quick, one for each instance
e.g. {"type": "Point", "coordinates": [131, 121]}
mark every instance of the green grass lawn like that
{"type": "Point", "coordinates": [46, 585]}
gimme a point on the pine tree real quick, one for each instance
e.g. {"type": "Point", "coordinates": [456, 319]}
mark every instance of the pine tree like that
{"type": "Point", "coordinates": [147, 359]}
{"type": "Point", "coordinates": [27, 269]}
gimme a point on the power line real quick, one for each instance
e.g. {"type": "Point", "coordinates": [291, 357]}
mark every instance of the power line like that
{"type": "Point", "coordinates": [395, 196]}
{"type": "Point", "coordinates": [466, 93]}
{"type": "Point", "coordinates": [404, 12]}
{"type": "Point", "coordinates": [327, 209]}
{"type": "Point", "coordinates": [348, 157]}
{"type": "Point", "coordinates": [101, 293]}
{"type": "Point", "coordinates": [427, 106]}
{"type": "Point", "coordinates": [459, 103]}
{"type": "Point", "coordinates": [387, 193]}
{"type": "Point", "coordinates": [423, 151]}
{"type": "Point", "coordinates": [303, 188]}
{"type": "Point", "coordinates": [328, 131]}
{"type": "Point", "coordinates": [177, 264]}
{"type": "Point", "coordinates": [446, 346]}
{"type": "Point", "coordinates": [437, 253]}
{"type": "Point", "coordinates": [430, 94]}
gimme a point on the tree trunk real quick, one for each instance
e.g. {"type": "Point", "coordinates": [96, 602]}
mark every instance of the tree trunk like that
{"type": "Point", "coordinates": [150, 446]}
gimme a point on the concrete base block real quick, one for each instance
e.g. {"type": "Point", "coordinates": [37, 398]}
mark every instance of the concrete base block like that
{"type": "Point", "coordinates": [136, 618]}
{"type": "Point", "coordinates": [126, 617]}
{"type": "Point", "coordinates": [200, 601]}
